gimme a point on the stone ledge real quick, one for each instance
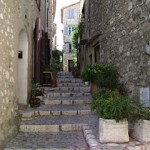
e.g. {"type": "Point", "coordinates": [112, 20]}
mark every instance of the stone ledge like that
{"type": "Point", "coordinates": [30, 115]}
{"type": "Point", "coordinates": [39, 128]}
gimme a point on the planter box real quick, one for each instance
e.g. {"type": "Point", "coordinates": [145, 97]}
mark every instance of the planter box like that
{"type": "Point", "coordinates": [86, 83]}
{"type": "Point", "coordinates": [142, 131]}
{"type": "Point", "coordinates": [94, 88]}
{"type": "Point", "coordinates": [111, 131]}
{"type": "Point", "coordinates": [40, 97]}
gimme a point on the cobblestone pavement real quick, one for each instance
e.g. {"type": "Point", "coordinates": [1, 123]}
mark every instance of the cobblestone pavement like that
{"type": "Point", "coordinates": [65, 122]}
{"type": "Point", "coordinates": [63, 140]}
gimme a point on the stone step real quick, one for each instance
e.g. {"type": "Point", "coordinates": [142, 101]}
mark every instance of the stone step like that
{"type": "Point", "coordinates": [73, 140]}
{"type": "Point", "coordinates": [67, 93]}
{"type": "Point", "coordinates": [57, 100]}
{"type": "Point", "coordinates": [66, 88]}
{"type": "Point", "coordinates": [45, 110]}
{"type": "Point", "coordinates": [60, 123]}
{"type": "Point", "coordinates": [64, 73]}
{"type": "Point", "coordinates": [65, 76]}
{"type": "Point", "coordinates": [70, 84]}
{"type": "Point", "coordinates": [72, 80]}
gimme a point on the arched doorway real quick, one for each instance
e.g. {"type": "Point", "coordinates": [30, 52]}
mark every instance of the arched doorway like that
{"type": "Point", "coordinates": [22, 67]}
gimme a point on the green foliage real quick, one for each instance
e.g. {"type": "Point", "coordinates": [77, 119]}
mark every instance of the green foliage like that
{"type": "Point", "coordinates": [75, 34]}
{"type": "Point", "coordinates": [56, 59]}
{"type": "Point", "coordinates": [37, 90]}
{"type": "Point", "coordinates": [111, 105]}
{"type": "Point", "coordinates": [104, 75]}
{"type": "Point", "coordinates": [56, 55]}
{"type": "Point", "coordinates": [139, 111]}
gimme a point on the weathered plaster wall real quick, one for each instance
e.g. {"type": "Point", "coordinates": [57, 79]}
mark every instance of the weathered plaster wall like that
{"type": "Point", "coordinates": [124, 26]}
{"type": "Point", "coordinates": [14, 16]}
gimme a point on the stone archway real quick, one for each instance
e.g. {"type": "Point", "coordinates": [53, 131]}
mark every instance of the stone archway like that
{"type": "Point", "coordinates": [22, 71]}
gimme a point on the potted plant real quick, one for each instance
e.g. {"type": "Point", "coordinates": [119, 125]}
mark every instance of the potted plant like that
{"type": "Point", "coordinates": [36, 95]}
{"type": "Point", "coordinates": [101, 76]}
{"type": "Point", "coordinates": [85, 76]}
{"type": "Point", "coordinates": [53, 69]}
{"type": "Point", "coordinates": [76, 72]}
{"type": "Point", "coordinates": [141, 118]}
{"type": "Point", "coordinates": [113, 110]}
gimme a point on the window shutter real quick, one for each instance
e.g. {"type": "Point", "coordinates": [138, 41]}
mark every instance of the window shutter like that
{"type": "Point", "coordinates": [66, 31]}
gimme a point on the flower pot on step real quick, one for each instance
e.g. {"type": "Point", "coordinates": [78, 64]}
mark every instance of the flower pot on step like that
{"type": "Point", "coordinates": [34, 102]}
{"type": "Point", "coordinates": [53, 83]}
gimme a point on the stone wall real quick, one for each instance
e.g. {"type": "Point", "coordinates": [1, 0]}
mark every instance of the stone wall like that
{"type": "Point", "coordinates": [69, 22]}
{"type": "Point", "coordinates": [124, 29]}
{"type": "Point", "coordinates": [14, 16]}
{"type": "Point", "coordinates": [51, 25]}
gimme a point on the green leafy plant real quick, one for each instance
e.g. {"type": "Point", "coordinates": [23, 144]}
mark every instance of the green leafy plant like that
{"type": "Point", "coordinates": [37, 90]}
{"type": "Point", "coordinates": [75, 34]}
{"type": "Point", "coordinates": [57, 59]}
{"type": "Point", "coordinates": [139, 112]}
{"type": "Point", "coordinates": [85, 74]}
{"type": "Point", "coordinates": [111, 105]}
{"type": "Point", "coordinates": [104, 75]}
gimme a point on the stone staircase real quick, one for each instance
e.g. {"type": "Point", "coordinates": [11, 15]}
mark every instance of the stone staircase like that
{"type": "Point", "coordinates": [63, 122]}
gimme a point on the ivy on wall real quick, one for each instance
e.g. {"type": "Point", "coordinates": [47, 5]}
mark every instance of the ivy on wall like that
{"type": "Point", "coordinates": [75, 34]}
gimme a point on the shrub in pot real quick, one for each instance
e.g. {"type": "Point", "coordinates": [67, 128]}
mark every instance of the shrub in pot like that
{"type": "Point", "coordinates": [53, 69]}
{"type": "Point", "coordinates": [114, 110]}
{"type": "Point", "coordinates": [76, 72]}
{"type": "Point", "coordinates": [141, 118]}
{"type": "Point", "coordinates": [36, 92]}
{"type": "Point", "coordinates": [101, 75]}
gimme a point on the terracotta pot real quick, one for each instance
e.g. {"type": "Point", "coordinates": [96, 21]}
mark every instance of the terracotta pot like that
{"type": "Point", "coordinates": [34, 102]}
{"type": "Point", "coordinates": [53, 83]}
{"type": "Point", "coordinates": [94, 88]}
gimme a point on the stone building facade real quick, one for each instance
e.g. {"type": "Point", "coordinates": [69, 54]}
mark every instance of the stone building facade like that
{"type": "Point", "coordinates": [51, 25]}
{"type": "Point", "coordinates": [22, 23]}
{"type": "Point", "coordinates": [70, 17]}
{"type": "Point", "coordinates": [118, 32]}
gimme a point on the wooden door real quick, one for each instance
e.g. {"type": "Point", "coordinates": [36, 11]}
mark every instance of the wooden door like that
{"type": "Point", "coordinates": [70, 65]}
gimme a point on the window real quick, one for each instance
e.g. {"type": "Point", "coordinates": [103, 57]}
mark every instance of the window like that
{"type": "Point", "coordinates": [97, 53]}
{"type": "Point", "coordinates": [70, 29]}
{"type": "Point", "coordinates": [70, 48]}
{"type": "Point", "coordinates": [70, 13]}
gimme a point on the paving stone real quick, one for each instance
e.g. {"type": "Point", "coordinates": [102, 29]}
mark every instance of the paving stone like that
{"type": "Point", "coordinates": [71, 127]}
{"type": "Point", "coordinates": [67, 102]}
{"type": "Point", "coordinates": [67, 112]}
{"type": "Point", "coordinates": [49, 141]}
{"type": "Point", "coordinates": [91, 120]}
{"type": "Point", "coordinates": [52, 102]}
{"type": "Point", "coordinates": [65, 122]}
{"type": "Point", "coordinates": [28, 114]}
{"type": "Point", "coordinates": [44, 113]}
{"type": "Point", "coordinates": [56, 113]}
{"type": "Point", "coordinates": [84, 112]}
{"type": "Point", "coordinates": [39, 128]}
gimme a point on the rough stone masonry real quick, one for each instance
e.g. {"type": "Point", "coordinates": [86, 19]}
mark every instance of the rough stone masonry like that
{"type": "Point", "coordinates": [123, 30]}
{"type": "Point", "coordinates": [12, 21]}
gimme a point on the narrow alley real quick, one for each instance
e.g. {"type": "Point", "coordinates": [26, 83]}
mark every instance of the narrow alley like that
{"type": "Point", "coordinates": [74, 75]}
{"type": "Point", "coordinates": [64, 122]}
